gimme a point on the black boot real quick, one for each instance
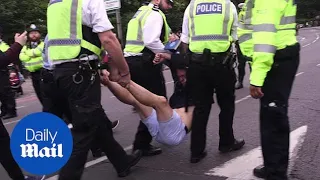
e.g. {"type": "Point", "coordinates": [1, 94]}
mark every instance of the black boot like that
{"type": "Point", "coordinates": [239, 85]}
{"type": "Point", "coordinates": [134, 158]}
{"type": "Point", "coordinates": [260, 172]}
{"type": "Point", "coordinates": [150, 150]}
{"type": "Point", "coordinates": [198, 158]}
{"type": "Point", "coordinates": [238, 144]}
{"type": "Point", "coordinates": [9, 116]}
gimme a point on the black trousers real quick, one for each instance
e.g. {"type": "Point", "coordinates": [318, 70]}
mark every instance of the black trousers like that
{"type": "Point", "coordinates": [202, 80]}
{"type": "Point", "coordinates": [274, 123]}
{"type": "Point", "coordinates": [88, 118]}
{"type": "Point", "coordinates": [7, 98]}
{"type": "Point", "coordinates": [36, 81]}
{"type": "Point", "coordinates": [241, 68]}
{"type": "Point", "coordinates": [6, 158]}
{"type": "Point", "coordinates": [149, 76]}
{"type": "Point", "coordinates": [54, 103]}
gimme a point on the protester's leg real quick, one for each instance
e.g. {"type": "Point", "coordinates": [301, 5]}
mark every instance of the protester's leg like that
{"type": "Point", "coordinates": [141, 73]}
{"type": "Point", "coordinates": [142, 99]}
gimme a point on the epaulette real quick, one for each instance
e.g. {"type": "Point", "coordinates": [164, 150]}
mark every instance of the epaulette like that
{"type": "Point", "coordinates": [155, 8]}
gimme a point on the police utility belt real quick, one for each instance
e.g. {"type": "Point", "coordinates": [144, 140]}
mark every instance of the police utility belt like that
{"type": "Point", "coordinates": [207, 58]}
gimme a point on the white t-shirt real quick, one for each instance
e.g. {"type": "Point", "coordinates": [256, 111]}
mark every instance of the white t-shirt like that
{"type": "Point", "coordinates": [151, 31]}
{"type": "Point", "coordinates": [94, 15]}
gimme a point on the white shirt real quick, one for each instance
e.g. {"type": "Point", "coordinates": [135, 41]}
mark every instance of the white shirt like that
{"type": "Point", "coordinates": [185, 25]}
{"type": "Point", "coordinates": [94, 15]}
{"type": "Point", "coordinates": [151, 33]}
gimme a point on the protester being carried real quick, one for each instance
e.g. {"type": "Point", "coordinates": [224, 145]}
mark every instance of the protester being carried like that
{"type": "Point", "coordinates": [167, 125]}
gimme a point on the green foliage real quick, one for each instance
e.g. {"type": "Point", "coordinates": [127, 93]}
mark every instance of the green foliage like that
{"type": "Point", "coordinates": [16, 15]}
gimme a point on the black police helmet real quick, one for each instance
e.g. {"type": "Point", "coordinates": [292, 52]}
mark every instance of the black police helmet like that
{"type": "Point", "coordinates": [33, 28]}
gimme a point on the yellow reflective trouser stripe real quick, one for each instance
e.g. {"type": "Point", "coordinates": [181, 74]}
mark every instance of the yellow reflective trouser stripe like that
{"type": "Point", "coordinates": [224, 35]}
{"type": "Point", "coordinates": [139, 40]}
{"type": "Point", "coordinates": [266, 48]}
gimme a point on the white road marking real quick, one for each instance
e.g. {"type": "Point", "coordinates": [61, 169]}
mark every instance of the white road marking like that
{"type": "Point", "coordinates": [19, 107]}
{"type": "Point", "coordinates": [318, 64]}
{"type": "Point", "coordinates": [307, 45]}
{"type": "Point", "coordinates": [11, 122]}
{"type": "Point", "coordinates": [240, 168]}
{"type": "Point", "coordinates": [242, 99]}
{"type": "Point", "coordinates": [317, 38]}
{"type": "Point", "coordinates": [91, 163]}
{"type": "Point", "coordinates": [298, 74]}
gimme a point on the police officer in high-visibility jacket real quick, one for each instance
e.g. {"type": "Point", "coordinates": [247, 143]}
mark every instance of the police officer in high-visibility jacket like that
{"type": "Point", "coordinates": [211, 69]}
{"type": "Point", "coordinates": [243, 39]}
{"type": "Point", "coordinates": [8, 103]}
{"type": "Point", "coordinates": [275, 61]}
{"type": "Point", "coordinates": [77, 29]}
{"type": "Point", "coordinates": [31, 57]}
{"type": "Point", "coordinates": [147, 33]}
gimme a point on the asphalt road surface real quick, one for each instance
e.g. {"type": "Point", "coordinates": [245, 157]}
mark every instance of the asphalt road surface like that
{"type": "Point", "coordinates": [174, 164]}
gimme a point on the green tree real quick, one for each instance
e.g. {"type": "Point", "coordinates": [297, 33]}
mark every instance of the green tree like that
{"type": "Point", "coordinates": [16, 15]}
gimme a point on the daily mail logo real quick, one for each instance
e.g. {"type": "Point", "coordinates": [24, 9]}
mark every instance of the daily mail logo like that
{"type": "Point", "coordinates": [209, 8]}
{"type": "Point", "coordinates": [33, 151]}
{"type": "Point", "coordinates": [41, 143]}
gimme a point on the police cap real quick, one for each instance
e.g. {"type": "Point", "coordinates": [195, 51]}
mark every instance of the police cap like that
{"type": "Point", "coordinates": [33, 28]}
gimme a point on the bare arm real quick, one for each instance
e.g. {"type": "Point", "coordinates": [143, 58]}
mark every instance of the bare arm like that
{"type": "Point", "coordinates": [111, 44]}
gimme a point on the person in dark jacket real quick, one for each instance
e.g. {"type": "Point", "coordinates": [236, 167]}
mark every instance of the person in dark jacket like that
{"type": "Point", "coordinates": [7, 95]}
{"type": "Point", "coordinates": [6, 158]}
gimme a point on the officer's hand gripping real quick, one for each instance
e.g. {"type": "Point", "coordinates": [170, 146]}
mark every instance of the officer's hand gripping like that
{"type": "Point", "coordinates": [256, 92]}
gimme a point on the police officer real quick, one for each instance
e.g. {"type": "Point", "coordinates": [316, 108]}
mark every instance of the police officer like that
{"type": "Point", "coordinates": [8, 102]}
{"type": "Point", "coordinates": [6, 158]}
{"type": "Point", "coordinates": [275, 61]}
{"type": "Point", "coordinates": [54, 103]}
{"type": "Point", "coordinates": [147, 33]}
{"type": "Point", "coordinates": [31, 57]}
{"type": "Point", "coordinates": [76, 32]}
{"type": "Point", "coordinates": [211, 68]}
{"type": "Point", "coordinates": [241, 58]}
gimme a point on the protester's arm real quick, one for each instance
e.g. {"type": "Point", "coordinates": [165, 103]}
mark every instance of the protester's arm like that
{"type": "Point", "coordinates": [102, 26]}
{"type": "Point", "coordinates": [11, 54]}
{"type": "Point", "coordinates": [177, 60]}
